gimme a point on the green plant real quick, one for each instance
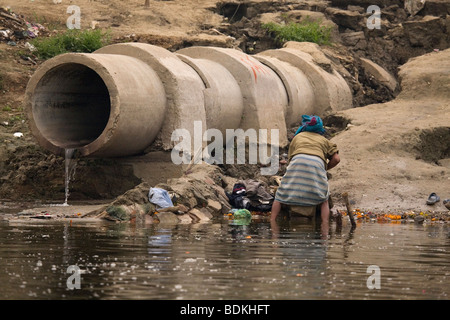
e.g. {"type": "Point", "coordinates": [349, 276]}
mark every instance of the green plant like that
{"type": "Point", "coordinates": [71, 41]}
{"type": "Point", "coordinates": [15, 119]}
{"type": "Point", "coordinates": [306, 31]}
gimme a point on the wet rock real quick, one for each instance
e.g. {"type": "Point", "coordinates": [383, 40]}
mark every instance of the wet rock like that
{"type": "Point", "coordinates": [419, 219]}
{"type": "Point", "coordinates": [117, 213]}
{"type": "Point", "coordinates": [167, 218]}
{"type": "Point", "coordinates": [184, 218]}
{"type": "Point", "coordinates": [200, 215]}
{"type": "Point", "coordinates": [199, 197]}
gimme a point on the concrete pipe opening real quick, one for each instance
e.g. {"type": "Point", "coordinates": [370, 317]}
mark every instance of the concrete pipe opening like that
{"type": "Point", "coordinates": [103, 105]}
{"type": "Point", "coordinates": [71, 105]}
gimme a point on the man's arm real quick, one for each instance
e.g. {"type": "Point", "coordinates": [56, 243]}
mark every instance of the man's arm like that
{"type": "Point", "coordinates": [335, 159]}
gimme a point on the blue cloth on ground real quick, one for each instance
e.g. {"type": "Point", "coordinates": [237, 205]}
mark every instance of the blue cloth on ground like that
{"type": "Point", "coordinates": [160, 198]}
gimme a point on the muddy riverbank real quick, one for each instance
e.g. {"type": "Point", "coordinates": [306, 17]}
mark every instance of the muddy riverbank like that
{"type": "Point", "coordinates": [394, 143]}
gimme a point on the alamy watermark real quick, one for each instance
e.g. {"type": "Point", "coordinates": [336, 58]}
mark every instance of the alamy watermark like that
{"type": "Point", "coordinates": [374, 21]}
{"type": "Point", "coordinates": [374, 280]}
{"type": "Point", "coordinates": [74, 281]}
{"type": "Point", "coordinates": [74, 20]}
{"type": "Point", "coordinates": [193, 150]}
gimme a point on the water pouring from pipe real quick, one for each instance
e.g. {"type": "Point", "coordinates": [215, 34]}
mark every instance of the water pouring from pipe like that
{"type": "Point", "coordinates": [70, 167]}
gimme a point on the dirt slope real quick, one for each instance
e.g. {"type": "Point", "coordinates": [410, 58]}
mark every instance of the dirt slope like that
{"type": "Point", "coordinates": [394, 154]}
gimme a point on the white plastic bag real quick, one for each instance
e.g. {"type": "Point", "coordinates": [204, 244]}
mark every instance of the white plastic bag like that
{"type": "Point", "coordinates": [160, 198]}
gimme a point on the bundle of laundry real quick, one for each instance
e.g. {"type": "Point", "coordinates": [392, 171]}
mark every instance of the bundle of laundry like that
{"type": "Point", "coordinates": [251, 195]}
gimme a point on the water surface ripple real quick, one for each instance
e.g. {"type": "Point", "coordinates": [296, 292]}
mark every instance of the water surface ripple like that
{"type": "Point", "coordinates": [219, 260]}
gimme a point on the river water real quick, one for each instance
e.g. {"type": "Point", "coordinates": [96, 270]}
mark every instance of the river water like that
{"type": "Point", "coordinates": [220, 260]}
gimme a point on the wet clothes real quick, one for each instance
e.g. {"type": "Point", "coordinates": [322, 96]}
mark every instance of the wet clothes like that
{"type": "Point", "coordinates": [305, 182]}
{"type": "Point", "coordinates": [251, 195]}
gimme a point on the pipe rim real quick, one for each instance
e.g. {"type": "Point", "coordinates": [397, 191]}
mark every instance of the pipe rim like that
{"type": "Point", "coordinates": [88, 61]}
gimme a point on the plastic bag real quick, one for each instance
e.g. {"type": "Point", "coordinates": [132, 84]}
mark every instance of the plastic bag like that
{"type": "Point", "coordinates": [160, 198]}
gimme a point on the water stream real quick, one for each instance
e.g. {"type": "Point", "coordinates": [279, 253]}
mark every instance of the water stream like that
{"type": "Point", "coordinates": [70, 167]}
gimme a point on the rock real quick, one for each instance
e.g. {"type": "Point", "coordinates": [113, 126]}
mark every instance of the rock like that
{"type": "Point", "coordinates": [175, 209]}
{"type": "Point", "coordinates": [167, 218]}
{"type": "Point", "coordinates": [138, 194]}
{"type": "Point", "coordinates": [380, 74]}
{"type": "Point", "coordinates": [184, 218]}
{"type": "Point", "coordinates": [419, 219]}
{"type": "Point", "coordinates": [357, 40]}
{"type": "Point", "coordinates": [414, 6]}
{"type": "Point", "coordinates": [200, 215]}
{"type": "Point", "coordinates": [447, 25]}
{"type": "Point", "coordinates": [446, 203]}
{"type": "Point", "coordinates": [123, 213]}
{"type": "Point", "coordinates": [346, 19]}
{"type": "Point", "coordinates": [228, 183]}
{"type": "Point", "coordinates": [214, 206]}
{"type": "Point", "coordinates": [199, 197]}
{"type": "Point", "coordinates": [426, 32]}
{"type": "Point", "coordinates": [364, 3]}
{"type": "Point", "coordinates": [305, 15]}
{"type": "Point", "coordinates": [436, 7]}
{"type": "Point", "coordinates": [356, 8]}
{"type": "Point", "coordinates": [444, 163]}
{"type": "Point", "coordinates": [117, 213]}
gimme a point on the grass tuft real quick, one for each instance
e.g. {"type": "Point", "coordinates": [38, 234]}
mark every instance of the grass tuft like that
{"type": "Point", "coordinates": [306, 31]}
{"type": "Point", "coordinates": [71, 41]}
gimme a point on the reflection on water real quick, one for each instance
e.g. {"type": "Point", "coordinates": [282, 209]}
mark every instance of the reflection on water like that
{"type": "Point", "coordinates": [223, 261]}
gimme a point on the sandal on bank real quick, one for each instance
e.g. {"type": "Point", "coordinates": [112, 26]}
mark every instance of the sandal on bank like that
{"type": "Point", "coordinates": [433, 198]}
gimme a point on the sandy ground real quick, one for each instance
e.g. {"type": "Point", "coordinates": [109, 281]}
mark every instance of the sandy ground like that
{"type": "Point", "coordinates": [386, 151]}
{"type": "Point", "coordinates": [171, 18]}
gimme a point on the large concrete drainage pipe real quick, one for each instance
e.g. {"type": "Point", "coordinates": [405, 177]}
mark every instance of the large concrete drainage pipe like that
{"type": "Point", "coordinates": [108, 105]}
{"type": "Point", "coordinates": [121, 99]}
